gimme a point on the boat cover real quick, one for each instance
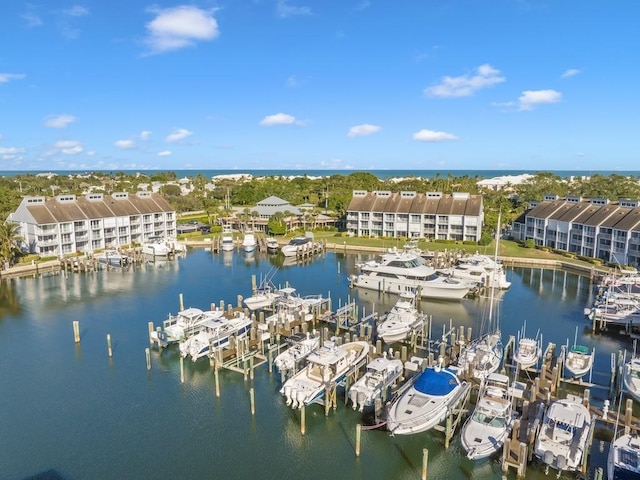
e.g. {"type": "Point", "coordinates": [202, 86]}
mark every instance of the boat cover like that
{"type": "Point", "coordinates": [432, 382]}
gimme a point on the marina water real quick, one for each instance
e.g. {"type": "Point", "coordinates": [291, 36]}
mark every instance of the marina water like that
{"type": "Point", "coordinates": [69, 411]}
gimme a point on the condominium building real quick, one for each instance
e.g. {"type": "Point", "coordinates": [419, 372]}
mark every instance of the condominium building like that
{"type": "Point", "coordinates": [431, 215]}
{"type": "Point", "coordinates": [68, 223]}
{"type": "Point", "coordinates": [594, 227]}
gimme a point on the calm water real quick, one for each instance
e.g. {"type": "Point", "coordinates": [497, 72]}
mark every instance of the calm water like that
{"type": "Point", "coordinates": [74, 413]}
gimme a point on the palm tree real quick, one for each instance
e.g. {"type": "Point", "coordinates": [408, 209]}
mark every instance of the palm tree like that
{"type": "Point", "coordinates": [9, 239]}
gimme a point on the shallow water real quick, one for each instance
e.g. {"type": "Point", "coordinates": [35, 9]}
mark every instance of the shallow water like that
{"type": "Point", "coordinates": [71, 411]}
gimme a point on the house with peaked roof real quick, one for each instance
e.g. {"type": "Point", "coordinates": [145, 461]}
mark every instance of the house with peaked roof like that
{"type": "Point", "coordinates": [431, 215]}
{"type": "Point", "coordinates": [595, 227]}
{"type": "Point", "coordinates": [67, 223]}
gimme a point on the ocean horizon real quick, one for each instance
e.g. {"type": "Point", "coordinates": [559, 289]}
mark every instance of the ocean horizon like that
{"type": "Point", "coordinates": [383, 174]}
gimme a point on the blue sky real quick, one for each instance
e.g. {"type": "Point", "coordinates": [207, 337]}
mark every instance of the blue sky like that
{"type": "Point", "coordinates": [314, 84]}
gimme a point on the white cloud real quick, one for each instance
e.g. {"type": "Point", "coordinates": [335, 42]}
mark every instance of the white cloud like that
{"type": "Point", "coordinates": [178, 134]}
{"type": "Point", "coordinates": [76, 11]}
{"type": "Point", "coordinates": [285, 10]}
{"type": "Point", "coordinates": [572, 72]}
{"type": "Point", "coordinates": [433, 136]}
{"type": "Point", "coordinates": [7, 77]}
{"type": "Point", "coordinates": [91, 153]}
{"type": "Point", "coordinates": [530, 98]}
{"type": "Point", "coordinates": [125, 144]}
{"type": "Point", "coordinates": [362, 130]}
{"type": "Point", "coordinates": [32, 19]}
{"type": "Point", "coordinates": [68, 147]}
{"type": "Point", "coordinates": [59, 121]}
{"type": "Point", "coordinates": [279, 119]}
{"type": "Point", "coordinates": [179, 27]}
{"type": "Point", "coordinates": [11, 153]}
{"type": "Point", "coordinates": [465, 85]}
{"type": "Point", "coordinates": [164, 153]}
{"type": "Point", "coordinates": [145, 134]}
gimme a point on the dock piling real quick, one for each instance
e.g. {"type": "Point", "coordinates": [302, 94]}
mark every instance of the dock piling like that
{"type": "Point", "coordinates": [425, 461]}
{"type": "Point", "coordinates": [109, 350]}
{"type": "Point", "coordinates": [358, 434]}
{"type": "Point", "coordinates": [252, 396]}
{"type": "Point", "coordinates": [148, 355]}
{"type": "Point", "coordinates": [181, 369]}
{"type": "Point", "coordinates": [76, 331]}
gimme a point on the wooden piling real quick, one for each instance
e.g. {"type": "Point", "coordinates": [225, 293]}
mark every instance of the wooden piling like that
{"type": "Point", "coordinates": [148, 355]}
{"type": "Point", "coordinates": [181, 369]}
{"type": "Point", "coordinates": [181, 302]}
{"type": "Point", "coordinates": [109, 350]}
{"type": "Point", "coordinates": [76, 331]}
{"type": "Point", "coordinates": [303, 426]}
{"type": "Point", "coordinates": [252, 396]}
{"type": "Point", "coordinates": [425, 461]}
{"type": "Point", "coordinates": [358, 433]}
{"type": "Point", "coordinates": [216, 375]}
{"type": "Point", "coordinates": [151, 328]}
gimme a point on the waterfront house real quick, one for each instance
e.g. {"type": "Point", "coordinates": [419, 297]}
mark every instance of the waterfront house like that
{"type": "Point", "coordinates": [68, 223]}
{"type": "Point", "coordinates": [431, 215]}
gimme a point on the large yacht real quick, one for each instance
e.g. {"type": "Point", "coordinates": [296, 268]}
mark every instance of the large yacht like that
{"type": "Point", "coordinates": [398, 272]}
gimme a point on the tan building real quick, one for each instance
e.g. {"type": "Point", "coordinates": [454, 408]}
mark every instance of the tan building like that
{"type": "Point", "coordinates": [66, 223]}
{"type": "Point", "coordinates": [431, 215]}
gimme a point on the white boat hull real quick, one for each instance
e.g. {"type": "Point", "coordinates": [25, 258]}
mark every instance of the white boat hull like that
{"type": "Point", "coordinates": [623, 461]}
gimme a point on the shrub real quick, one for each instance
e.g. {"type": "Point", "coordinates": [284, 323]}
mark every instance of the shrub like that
{"type": "Point", "coordinates": [529, 243]}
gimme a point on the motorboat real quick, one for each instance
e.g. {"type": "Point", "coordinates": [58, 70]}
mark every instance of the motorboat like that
{"type": "Point", "coordinates": [400, 271]}
{"type": "Point", "coordinates": [187, 322]}
{"type": "Point", "coordinates": [215, 334]}
{"type": "Point", "coordinates": [623, 461]}
{"type": "Point", "coordinates": [496, 276]}
{"type": "Point", "coordinates": [467, 272]}
{"type": "Point", "coordinates": [578, 360]}
{"type": "Point", "coordinates": [265, 294]}
{"type": "Point", "coordinates": [401, 320]}
{"type": "Point", "coordinates": [227, 243]}
{"type": "Point", "coordinates": [272, 245]}
{"type": "Point", "coordinates": [484, 432]}
{"type": "Point", "coordinates": [527, 352]}
{"type": "Point", "coordinates": [297, 245]}
{"type": "Point", "coordinates": [327, 365]}
{"type": "Point", "coordinates": [381, 373]}
{"type": "Point", "coordinates": [113, 258]}
{"type": "Point", "coordinates": [300, 346]}
{"type": "Point", "coordinates": [249, 242]}
{"type": "Point", "coordinates": [631, 378]}
{"type": "Point", "coordinates": [289, 306]}
{"type": "Point", "coordinates": [426, 400]}
{"type": "Point", "coordinates": [159, 246]}
{"type": "Point", "coordinates": [563, 436]}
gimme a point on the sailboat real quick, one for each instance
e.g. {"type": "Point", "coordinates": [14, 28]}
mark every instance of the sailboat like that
{"type": "Point", "coordinates": [578, 359]}
{"type": "Point", "coordinates": [482, 356]}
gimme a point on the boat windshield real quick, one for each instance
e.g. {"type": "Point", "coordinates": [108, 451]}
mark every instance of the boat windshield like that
{"type": "Point", "coordinates": [489, 420]}
{"type": "Point", "coordinates": [405, 263]}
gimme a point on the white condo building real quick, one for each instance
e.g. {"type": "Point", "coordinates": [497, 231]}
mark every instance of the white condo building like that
{"type": "Point", "coordinates": [67, 223]}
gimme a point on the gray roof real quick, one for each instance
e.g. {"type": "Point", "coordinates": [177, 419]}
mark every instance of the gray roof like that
{"type": "Point", "coordinates": [418, 204]}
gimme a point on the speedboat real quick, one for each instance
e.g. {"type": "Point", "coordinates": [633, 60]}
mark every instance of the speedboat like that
{"type": "Point", "coordinates": [295, 245]}
{"type": "Point", "coordinates": [482, 356]}
{"type": "Point", "coordinates": [623, 461]}
{"type": "Point", "coordinates": [158, 246]}
{"type": "Point", "coordinates": [183, 325]}
{"type": "Point", "coordinates": [227, 244]}
{"type": "Point", "coordinates": [578, 360]}
{"type": "Point", "coordinates": [265, 294]}
{"type": "Point", "coordinates": [113, 258]}
{"type": "Point", "coordinates": [300, 346]}
{"type": "Point", "coordinates": [631, 378]}
{"type": "Point", "coordinates": [381, 373]}
{"type": "Point", "coordinates": [484, 432]}
{"type": "Point", "coordinates": [215, 334]}
{"type": "Point", "coordinates": [249, 242]}
{"type": "Point", "coordinates": [401, 320]}
{"type": "Point", "coordinates": [397, 272]}
{"type": "Point", "coordinates": [496, 276]}
{"type": "Point", "coordinates": [527, 353]}
{"type": "Point", "coordinates": [426, 401]}
{"type": "Point", "coordinates": [327, 365]}
{"type": "Point", "coordinates": [564, 434]}
{"type": "Point", "coordinates": [272, 245]}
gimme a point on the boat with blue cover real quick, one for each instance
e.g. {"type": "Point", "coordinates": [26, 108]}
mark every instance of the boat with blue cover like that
{"type": "Point", "coordinates": [426, 401]}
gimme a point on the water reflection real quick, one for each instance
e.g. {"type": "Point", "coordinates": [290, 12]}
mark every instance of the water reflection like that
{"type": "Point", "coordinates": [9, 304]}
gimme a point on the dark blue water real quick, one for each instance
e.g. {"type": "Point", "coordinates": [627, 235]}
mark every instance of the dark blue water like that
{"type": "Point", "coordinates": [71, 411]}
{"type": "Point", "coordinates": [382, 174]}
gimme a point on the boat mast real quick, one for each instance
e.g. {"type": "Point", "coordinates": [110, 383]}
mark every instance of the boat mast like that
{"type": "Point", "coordinates": [493, 273]}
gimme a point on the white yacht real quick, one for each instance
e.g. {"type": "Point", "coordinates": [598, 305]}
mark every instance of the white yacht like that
{"type": "Point", "coordinates": [113, 258]}
{"type": "Point", "coordinates": [631, 378]}
{"type": "Point", "coordinates": [272, 245]}
{"type": "Point", "coordinates": [328, 364]}
{"type": "Point", "coordinates": [401, 320]}
{"type": "Point", "coordinates": [249, 242]}
{"type": "Point", "coordinates": [578, 360]}
{"type": "Point", "coordinates": [623, 462]}
{"type": "Point", "coordinates": [158, 246]}
{"type": "Point", "coordinates": [215, 334]}
{"type": "Point", "coordinates": [226, 243]}
{"type": "Point", "coordinates": [300, 346]}
{"type": "Point", "coordinates": [186, 323]}
{"type": "Point", "coordinates": [563, 435]}
{"type": "Point", "coordinates": [398, 272]}
{"type": "Point", "coordinates": [425, 401]}
{"type": "Point", "coordinates": [295, 245]}
{"type": "Point", "coordinates": [496, 277]}
{"type": "Point", "coordinates": [381, 373]}
{"type": "Point", "coordinates": [527, 353]}
{"type": "Point", "coordinates": [484, 432]}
